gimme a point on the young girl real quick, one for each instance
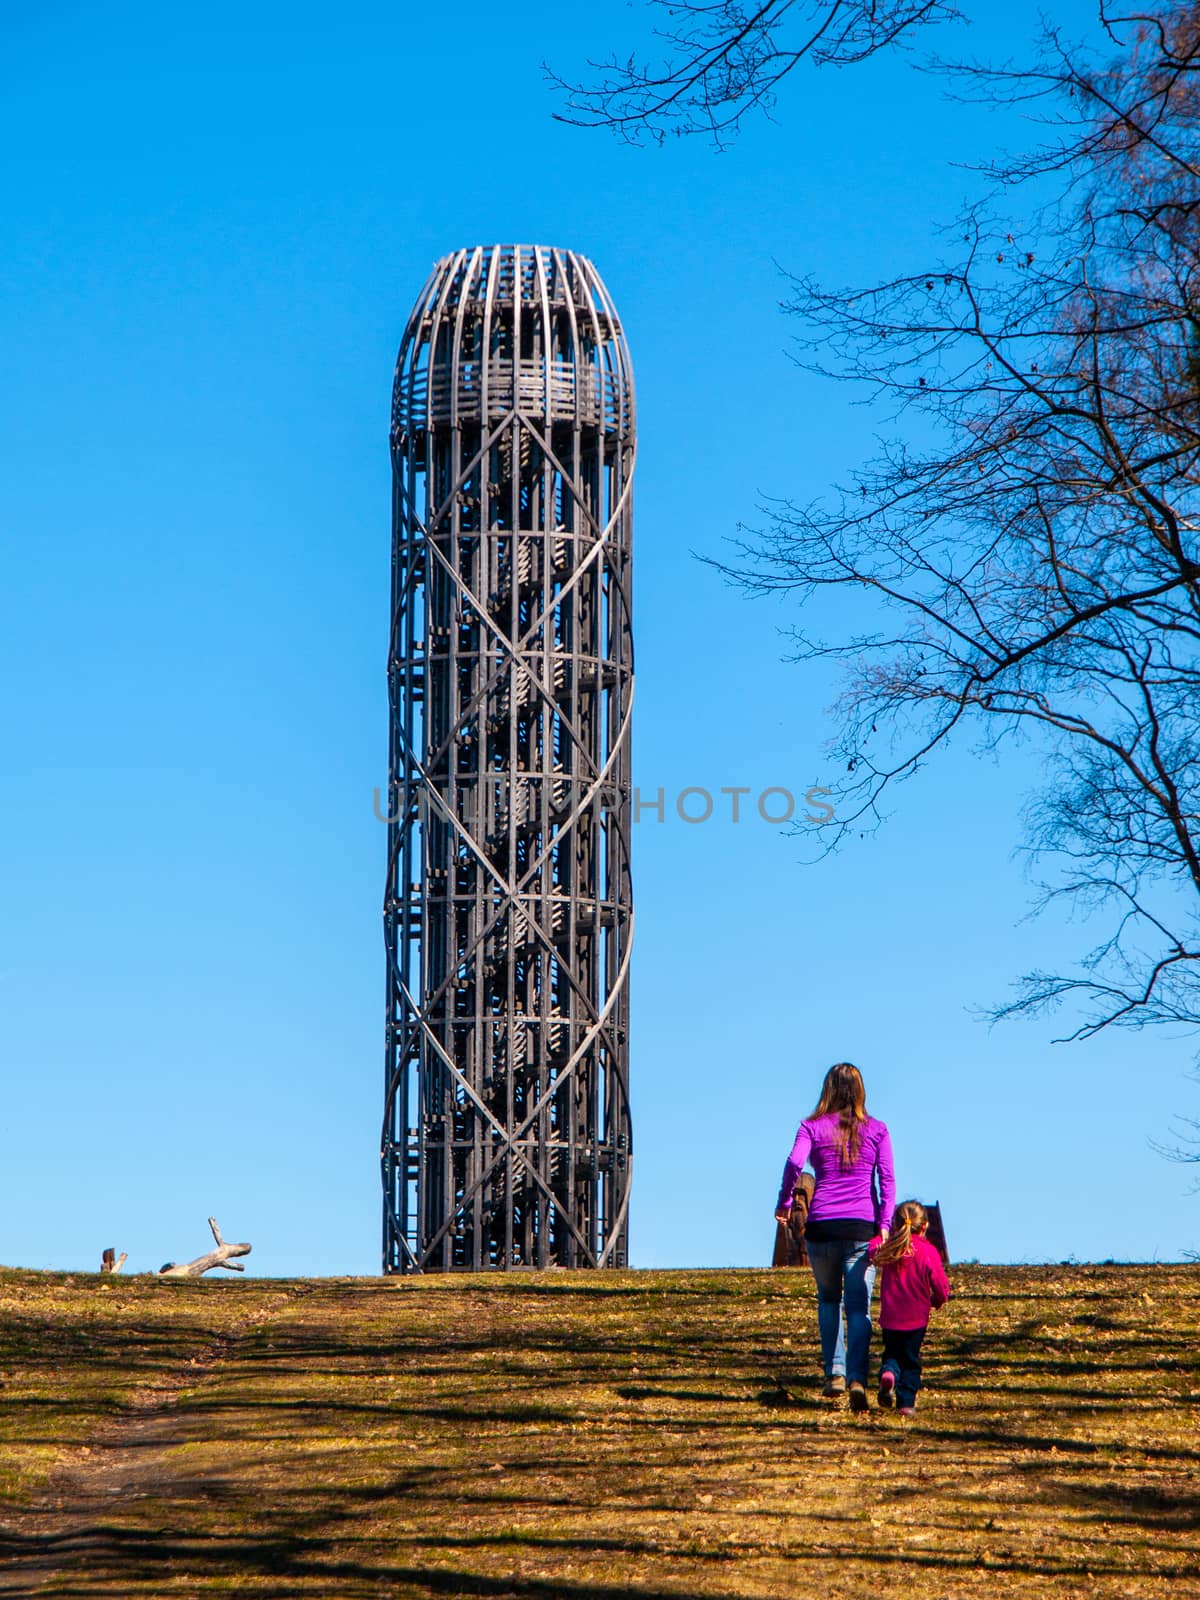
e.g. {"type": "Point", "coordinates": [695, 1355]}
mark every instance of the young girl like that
{"type": "Point", "coordinates": [913, 1284]}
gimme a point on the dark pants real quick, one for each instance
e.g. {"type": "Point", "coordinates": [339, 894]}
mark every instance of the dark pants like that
{"type": "Point", "coordinates": [902, 1355]}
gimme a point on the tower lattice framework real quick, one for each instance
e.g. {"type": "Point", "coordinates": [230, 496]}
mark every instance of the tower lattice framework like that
{"type": "Point", "coordinates": [508, 912]}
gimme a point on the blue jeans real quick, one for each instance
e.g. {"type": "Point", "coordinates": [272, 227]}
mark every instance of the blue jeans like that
{"type": "Point", "coordinates": [844, 1276]}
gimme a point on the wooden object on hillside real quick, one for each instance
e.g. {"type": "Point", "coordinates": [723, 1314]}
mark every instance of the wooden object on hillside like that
{"type": "Point", "coordinates": [789, 1235]}
{"type": "Point", "coordinates": [215, 1258]}
{"type": "Point", "coordinates": [936, 1233]}
{"type": "Point", "coordinates": [111, 1262]}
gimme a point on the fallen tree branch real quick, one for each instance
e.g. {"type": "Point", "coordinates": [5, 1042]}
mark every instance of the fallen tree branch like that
{"type": "Point", "coordinates": [215, 1258]}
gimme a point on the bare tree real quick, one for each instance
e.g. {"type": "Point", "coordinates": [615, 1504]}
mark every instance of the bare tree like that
{"type": "Point", "coordinates": [1023, 547]}
{"type": "Point", "coordinates": [724, 59]}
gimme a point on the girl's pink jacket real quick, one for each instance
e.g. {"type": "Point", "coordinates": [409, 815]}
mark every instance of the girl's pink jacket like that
{"type": "Point", "coordinates": [911, 1288]}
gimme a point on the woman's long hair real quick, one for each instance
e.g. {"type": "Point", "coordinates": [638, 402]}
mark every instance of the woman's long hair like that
{"type": "Point", "coordinates": [911, 1217]}
{"type": "Point", "coordinates": [843, 1092]}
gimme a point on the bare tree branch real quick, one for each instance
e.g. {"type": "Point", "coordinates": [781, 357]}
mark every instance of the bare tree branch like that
{"type": "Point", "coordinates": [724, 59]}
{"type": "Point", "coordinates": [220, 1257]}
{"type": "Point", "coordinates": [1030, 569]}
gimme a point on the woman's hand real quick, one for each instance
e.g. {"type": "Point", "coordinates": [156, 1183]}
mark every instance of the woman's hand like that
{"type": "Point", "coordinates": [783, 1217]}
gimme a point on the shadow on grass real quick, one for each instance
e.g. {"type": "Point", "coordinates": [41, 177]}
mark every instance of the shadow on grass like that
{"type": "Point", "coordinates": [1068, 1453]}
{"type": "Point", "coordinates": [105, 1559]}
{"type": "Point", "coordinates": [1165, 1507]}
{"type": "Point", "coordinates": [538, 1375]}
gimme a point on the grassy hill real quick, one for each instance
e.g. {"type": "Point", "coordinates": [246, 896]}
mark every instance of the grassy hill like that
{"type": "Point", "coordinates": [649, 1433]}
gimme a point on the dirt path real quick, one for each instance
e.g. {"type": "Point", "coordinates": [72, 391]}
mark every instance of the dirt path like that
{"type": "Point", "coordinates": [126, 1459]}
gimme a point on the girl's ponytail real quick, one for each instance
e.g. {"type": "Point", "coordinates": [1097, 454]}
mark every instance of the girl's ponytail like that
{"type": "Point", "coordinates": [911, 1217]}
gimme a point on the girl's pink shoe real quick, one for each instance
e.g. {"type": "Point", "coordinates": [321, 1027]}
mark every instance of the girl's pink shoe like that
{"type": "Point", "coordinates": [887, 1388]}
{"type": "Point", "coordinates": [908, 1411]}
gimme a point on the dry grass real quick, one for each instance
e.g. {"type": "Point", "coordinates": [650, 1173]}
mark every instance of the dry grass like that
{"type": "Point", "coordinates": [589, 1437]}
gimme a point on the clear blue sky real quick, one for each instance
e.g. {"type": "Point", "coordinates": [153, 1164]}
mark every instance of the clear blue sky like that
{"type": "Point", "coordinates": [212, 230]}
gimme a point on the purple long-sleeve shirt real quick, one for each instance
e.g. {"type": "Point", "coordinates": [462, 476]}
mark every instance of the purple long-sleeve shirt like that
{"type": "Point", "coordinates": [865, 1190]}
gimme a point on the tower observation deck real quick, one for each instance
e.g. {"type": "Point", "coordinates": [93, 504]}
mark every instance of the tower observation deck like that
{"type": "Point", "coordinates": [508, 912]}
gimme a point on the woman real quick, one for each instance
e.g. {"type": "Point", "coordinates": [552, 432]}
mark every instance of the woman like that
{"type": "Point", "coordinates": [851, 1155]}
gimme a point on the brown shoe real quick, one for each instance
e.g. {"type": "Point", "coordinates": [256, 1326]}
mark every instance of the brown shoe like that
{"type": "Point", "coordinates": [835, 1387]}
{"type": "Point", "coordinates": [858, 1397]}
